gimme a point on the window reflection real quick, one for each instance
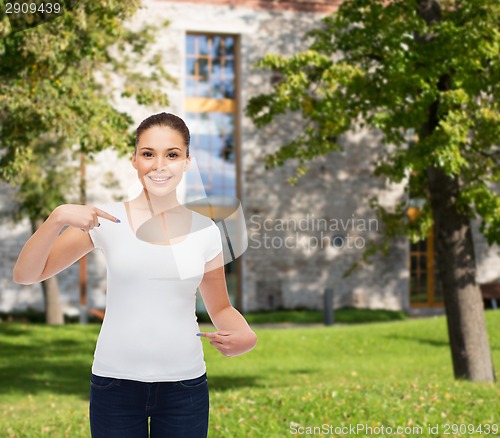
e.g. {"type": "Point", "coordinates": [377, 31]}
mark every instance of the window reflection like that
{"type": "Point", "coordinates": [210, 114]}
{"type": "Point", "coordinates": [212, 143]}
{"type": "Point", "coordinates": [210, 66]}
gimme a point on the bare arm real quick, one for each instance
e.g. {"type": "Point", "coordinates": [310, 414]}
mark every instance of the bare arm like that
{"type": "Point", "coordinates": [234, 336]}
{"type": "Point", "coordinates": [47, 253]}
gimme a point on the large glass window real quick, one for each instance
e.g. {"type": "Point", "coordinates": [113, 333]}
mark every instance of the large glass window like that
{"type": "Point", "coordinates": [210, 67]}
{"type": "Point", "coordinates": [213, 145]}
{"type": "Point", "coordinates": [211, 114]}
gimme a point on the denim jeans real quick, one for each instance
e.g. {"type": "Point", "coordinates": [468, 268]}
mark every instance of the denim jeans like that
{"type": "Point", "coordinates": [120, 408]}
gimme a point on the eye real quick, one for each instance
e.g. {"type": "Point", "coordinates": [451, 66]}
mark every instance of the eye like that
{"type": "Point", "coordinates": [173, 155]}
{"type": "Point", "coordinates": [145, 154]}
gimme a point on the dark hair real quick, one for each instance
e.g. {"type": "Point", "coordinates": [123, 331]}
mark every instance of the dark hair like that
{"type": "Point", "coordinates": [164, 119]}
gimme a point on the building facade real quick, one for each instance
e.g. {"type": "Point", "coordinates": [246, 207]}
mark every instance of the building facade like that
{"type": "Point", "coordinates": [301, 239]}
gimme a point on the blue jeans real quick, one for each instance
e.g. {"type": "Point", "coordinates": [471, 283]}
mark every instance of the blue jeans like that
{"type": "Point", "coordinates": [120, 408]}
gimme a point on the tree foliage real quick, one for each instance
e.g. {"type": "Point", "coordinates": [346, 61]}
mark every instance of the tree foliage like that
{"type": "Point", "coordinates": [58, 84]}
{"type": "Point", "coordinates": [384, 66]}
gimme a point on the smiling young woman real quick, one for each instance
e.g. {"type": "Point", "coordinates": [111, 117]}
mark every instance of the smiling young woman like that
{"type": "Point", "coordinates": [148, 361]}
{"type": "Point", "coordinates": [161, 157]}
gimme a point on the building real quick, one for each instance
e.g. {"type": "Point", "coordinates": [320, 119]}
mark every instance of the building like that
{"type": "Point", "coordinates": [300, 239]}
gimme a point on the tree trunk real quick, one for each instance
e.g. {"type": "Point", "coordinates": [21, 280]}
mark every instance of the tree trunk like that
{"type": "Point", "coordinates": [470, 350]}
{"type": "Point", "coordinates": [53, 309]}
{"type": "Point", "coordinates": [51, 295]}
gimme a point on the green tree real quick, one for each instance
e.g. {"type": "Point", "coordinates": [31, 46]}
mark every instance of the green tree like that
{"type": "Point", "coordinates": [424, 66]}
{"type": "Point", "coordinates": [58, 81]}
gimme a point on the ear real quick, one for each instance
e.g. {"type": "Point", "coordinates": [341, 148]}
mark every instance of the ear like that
{"type": "Point", "coordinates": [134, 159]}
{"type": "Point", "coordinates": [187, 164]}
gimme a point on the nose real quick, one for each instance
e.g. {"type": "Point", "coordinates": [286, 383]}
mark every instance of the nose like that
{"type": "Point", "coordinates": [160, 163]}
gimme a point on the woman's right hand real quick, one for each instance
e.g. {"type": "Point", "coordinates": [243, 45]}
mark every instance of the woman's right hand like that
{"type": "Point", "coordinates": [85, 217]}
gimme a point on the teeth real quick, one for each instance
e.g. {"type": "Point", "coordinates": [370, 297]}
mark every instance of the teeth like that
{"type": "Point", "coordinates": [159, 179]}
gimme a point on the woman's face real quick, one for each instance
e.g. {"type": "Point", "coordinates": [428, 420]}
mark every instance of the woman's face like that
{"type": "Point", "coordinates": [160, 159]}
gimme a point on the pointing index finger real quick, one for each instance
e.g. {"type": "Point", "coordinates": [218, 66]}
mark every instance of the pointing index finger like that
{"type": "Point", "coordinates": [106, 215]}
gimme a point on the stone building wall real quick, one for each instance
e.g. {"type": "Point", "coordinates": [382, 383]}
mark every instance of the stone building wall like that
{"type": "Point", "coordinates": [336, 189]}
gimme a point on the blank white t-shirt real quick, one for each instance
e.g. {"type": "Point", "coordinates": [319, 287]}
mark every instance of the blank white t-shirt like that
{"type": "Point", "coordinates": [149, 329]}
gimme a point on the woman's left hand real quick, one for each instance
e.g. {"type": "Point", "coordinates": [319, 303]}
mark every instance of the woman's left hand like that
{"type": "Point", "coordinates": [231, 343]}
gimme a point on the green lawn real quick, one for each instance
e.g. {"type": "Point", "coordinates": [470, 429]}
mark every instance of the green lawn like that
{"type": "Point", "coordinates": [372, 375]}
{"type": "Point", "coordinates": [345, 315]}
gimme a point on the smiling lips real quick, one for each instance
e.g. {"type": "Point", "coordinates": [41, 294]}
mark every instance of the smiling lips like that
{"type": "Point", "coordinates": [159, 179]}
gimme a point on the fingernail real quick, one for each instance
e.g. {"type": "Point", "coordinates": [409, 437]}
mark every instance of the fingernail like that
{"type": "Point", "coordinates": [198, 334]}
{"type": "Point", "coordinates": [118, 221]}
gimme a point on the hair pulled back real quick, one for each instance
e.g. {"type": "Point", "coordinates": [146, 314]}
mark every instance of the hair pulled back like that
{"type": "Point", "coordinates": [165, 119]}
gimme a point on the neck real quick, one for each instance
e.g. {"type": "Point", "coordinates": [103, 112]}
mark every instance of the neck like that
{"type": "Point", "coordinates": [157, 204]}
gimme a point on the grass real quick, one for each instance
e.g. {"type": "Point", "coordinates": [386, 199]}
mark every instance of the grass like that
{"type": "Point", "coordinates": [390, 374]}
{"type": "Point", "coordinates": [345, 315]}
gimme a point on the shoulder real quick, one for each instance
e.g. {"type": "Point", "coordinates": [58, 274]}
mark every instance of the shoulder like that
{"type": "Point", "coordinates": [206, 226]}
{"type": "Point", "coordinates": [201, 221]}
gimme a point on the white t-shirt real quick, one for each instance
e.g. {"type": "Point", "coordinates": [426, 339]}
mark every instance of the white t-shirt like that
{"type": "Point", "coordinates": [149, 329]}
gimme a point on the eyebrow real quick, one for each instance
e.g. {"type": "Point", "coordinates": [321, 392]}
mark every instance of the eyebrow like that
{"type": "Point", "coordinates": [152, 149]}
